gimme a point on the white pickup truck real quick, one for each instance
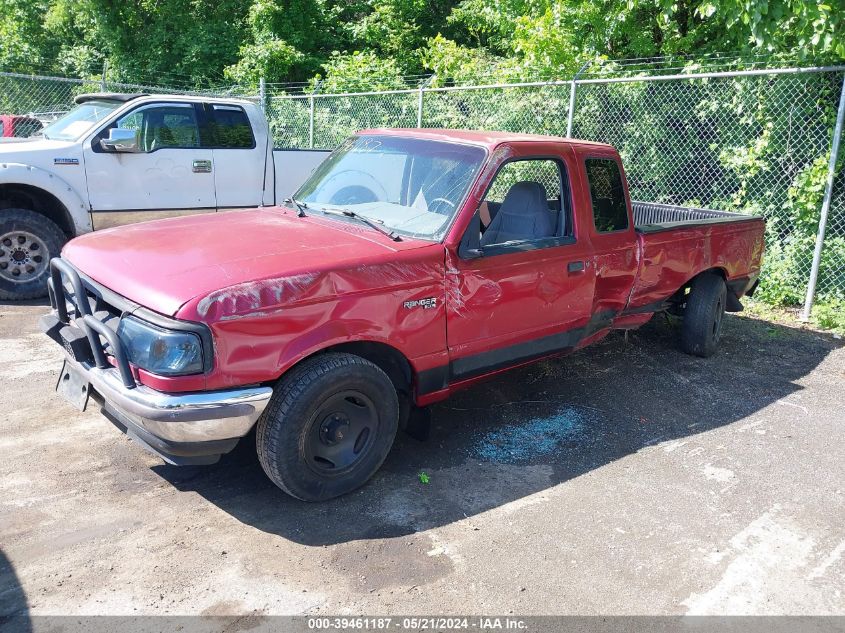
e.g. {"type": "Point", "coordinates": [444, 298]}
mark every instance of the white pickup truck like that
{"type": "Point", "coordinates": [121, 158]}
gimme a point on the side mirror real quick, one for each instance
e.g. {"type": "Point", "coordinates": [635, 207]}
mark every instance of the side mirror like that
{"type": "Point", "coordinates": [120, 140]}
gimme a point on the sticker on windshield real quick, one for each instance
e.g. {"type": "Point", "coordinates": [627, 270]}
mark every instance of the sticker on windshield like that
{"type": "Point", "coordinates": [425, 304]}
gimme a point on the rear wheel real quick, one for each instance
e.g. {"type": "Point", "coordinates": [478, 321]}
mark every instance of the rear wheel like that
{"type": "Point", "coordinates": [329, 426]}
{"type": "Point", "coordinates": [27, 242]}
{"type": "Point", "coordinates": [703, 315]}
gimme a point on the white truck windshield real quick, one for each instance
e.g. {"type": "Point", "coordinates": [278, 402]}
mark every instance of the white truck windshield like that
{"type": "Point", "coordinates": [412, 186]}
{"type": "Point", "coordinates": [73, 125]}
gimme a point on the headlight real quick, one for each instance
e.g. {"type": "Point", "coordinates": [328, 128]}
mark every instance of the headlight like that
{"type": "Point", "coordinates": [160, 351]}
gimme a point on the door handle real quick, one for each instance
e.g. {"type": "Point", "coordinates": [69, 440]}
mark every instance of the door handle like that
{"type": "Point", "coordinates": [575, 267]}
{"type": "Point", "coordinates": [202, 166]}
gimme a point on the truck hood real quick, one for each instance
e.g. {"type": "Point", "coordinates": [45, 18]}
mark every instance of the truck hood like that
{"type": "Point", "coordinates": [220, 265]}
{"type": "Point", "coordinates": [38, 152]}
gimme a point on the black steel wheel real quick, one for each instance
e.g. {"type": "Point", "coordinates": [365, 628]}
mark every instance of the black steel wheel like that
{"type": "Point", "coordinates": [329, 426]}
{"type": "Point", "coordinates": [703, 316]}
{"type": "Point", "coordinates": [341, 432]}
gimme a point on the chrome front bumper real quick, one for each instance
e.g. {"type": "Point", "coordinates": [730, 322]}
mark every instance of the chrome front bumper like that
{"type": "Point", "coordinates": [193, 417]}
{"type": "Point", "coordinates": [182, 428]}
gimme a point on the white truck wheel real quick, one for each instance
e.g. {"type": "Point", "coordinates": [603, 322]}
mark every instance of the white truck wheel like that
{"type": "Point", "coordinates": [27, 242]}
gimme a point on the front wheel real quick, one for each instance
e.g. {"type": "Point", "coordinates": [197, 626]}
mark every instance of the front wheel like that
{"type": "Point", "coordinates": [27, 242]}
{"type": "Point", "coordinates": [329, 426]}
{"type": "Point", "coordinates": [703, 315]}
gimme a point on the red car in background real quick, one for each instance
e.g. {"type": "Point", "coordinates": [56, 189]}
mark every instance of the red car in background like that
{"type": "Point", "coordinates": [16, 126]}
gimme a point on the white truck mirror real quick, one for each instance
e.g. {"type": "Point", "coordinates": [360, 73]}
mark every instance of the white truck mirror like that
{"type": "Point", "coordinates": [120, 140]}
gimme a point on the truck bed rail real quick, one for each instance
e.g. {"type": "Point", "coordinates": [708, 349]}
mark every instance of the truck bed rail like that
{"type": "Point", "coordinates": [654, 216]}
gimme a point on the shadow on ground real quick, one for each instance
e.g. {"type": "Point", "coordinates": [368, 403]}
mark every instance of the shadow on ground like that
{"type": "Point", "coordinates": [14, 610]}
{"type": "Point", "coordinates": [26, 302]}
{"type": "Point", "coordinates": [531, 429]}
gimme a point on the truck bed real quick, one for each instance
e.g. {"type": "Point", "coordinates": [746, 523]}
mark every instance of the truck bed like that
{"type": "Point", "coordinates": [650, 217]}
{"type": "Point", "coordinates": [677, 243]}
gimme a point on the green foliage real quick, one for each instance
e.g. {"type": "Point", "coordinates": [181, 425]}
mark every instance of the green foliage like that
{"type": "Point", "coordinates": [270, 57]}
{"type": "Point", "coordinates": [24, 43]}
{"type": "Point", "coordinates": [830, 315]}
{"type": "Point", "coordinates": [204, 41]}
{"type": "Point", "coordinates": [358, 71]}
{"type": "Point", "coordinates": [811, 28]}
{"type": "Point", "coordinates": [755, 146]}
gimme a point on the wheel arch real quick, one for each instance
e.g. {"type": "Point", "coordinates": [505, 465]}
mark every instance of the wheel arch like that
{"type": "Point", "coordinates": [680, 295]}
{"type": "Point", "coordinates": [32, 188]}
{"type": "Point", "coordinates": [389, 359]}
{"type": "Point", "coordinates": [386, 357]}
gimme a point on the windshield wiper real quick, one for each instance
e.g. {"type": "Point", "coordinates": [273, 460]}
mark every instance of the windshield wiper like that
{"type": "Point", "coordinates": [372, 223]}
{"type": "Point", "coordinates": [300, 206]}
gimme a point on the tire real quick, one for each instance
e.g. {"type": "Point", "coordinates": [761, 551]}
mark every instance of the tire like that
{"type": "Point", "coordinates": [703, 316]}
{"type": "Point", "coordinates": [27, 242]}
{"type": "Point", "coordinates": [328, 427]}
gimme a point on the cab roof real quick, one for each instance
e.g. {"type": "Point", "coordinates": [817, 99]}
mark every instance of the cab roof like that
{"type": "Point", "coordinates": [109, 96]}
{"type": "Point", "coordinates": [489, 139]}
{"type": "Point", "coordinates": [124, 97]}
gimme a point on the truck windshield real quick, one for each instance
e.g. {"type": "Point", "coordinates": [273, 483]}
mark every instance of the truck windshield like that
{"type": "Point", "coordinates": [78, 121]}
{"type": "Point", "coordinates": [412, 186]}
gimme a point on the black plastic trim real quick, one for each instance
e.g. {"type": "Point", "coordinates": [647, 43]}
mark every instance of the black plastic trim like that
{"type": "Point", "coordinates": [438, 378]}
{"type": "Point", "coordinates": [655, 306]}
{"type": "Point", "coordinates": [176, 453]}
{"type": "Point", "coordinates": [434, 379]}
{"type": "Point", "coordinates": [485, 362]}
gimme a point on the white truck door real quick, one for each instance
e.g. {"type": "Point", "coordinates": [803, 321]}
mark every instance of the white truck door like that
{"type": "Point", "coordinates": [239, 155]}
{"type": "Point", "coordinates": [293, 167]}
{"type": "Point", "coordinates": [170, 173]}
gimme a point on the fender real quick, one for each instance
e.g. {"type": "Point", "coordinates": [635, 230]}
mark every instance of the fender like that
{"type": "Point", "coordinates": [20, 174]}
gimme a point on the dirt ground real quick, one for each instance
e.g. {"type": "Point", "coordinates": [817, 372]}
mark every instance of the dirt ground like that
{"type": "Point", "coordinates": [628, 478]}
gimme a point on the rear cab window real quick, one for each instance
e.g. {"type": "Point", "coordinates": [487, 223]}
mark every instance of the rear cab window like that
{"type": "Point", "coordinates": [228, 127]}
{"type": "Point", "coordinates": [607, 195]}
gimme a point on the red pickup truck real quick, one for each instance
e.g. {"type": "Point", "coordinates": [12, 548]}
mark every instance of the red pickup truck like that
{"type": "Point", "coordinates": [410, 264]}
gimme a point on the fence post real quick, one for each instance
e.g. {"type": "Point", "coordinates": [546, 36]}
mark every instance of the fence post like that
{"type": "Point", "coordinates": [828, 193]}
{"type": "Point", "coordinates": [423, 85]}
{"type": "Point", "coordinates": [262, 95]}
{"type": "Point", "coordinates": [572, 100]}
{"type": "Point", "coordinates": [103, 87]}
{"type": "Point", "coordinates": [311, 113]}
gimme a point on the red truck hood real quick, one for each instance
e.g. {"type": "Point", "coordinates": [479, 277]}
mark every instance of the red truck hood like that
{"type": "Point", "coordinates": [224, 264]}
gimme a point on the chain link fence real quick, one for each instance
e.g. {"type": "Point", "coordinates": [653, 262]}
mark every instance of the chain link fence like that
{"type": "Point", "coordinates": [48, 98]}
{"type": "Point", "coordinates": [749, 141]}
{"type": "Point", "coordinates": [754, 142]}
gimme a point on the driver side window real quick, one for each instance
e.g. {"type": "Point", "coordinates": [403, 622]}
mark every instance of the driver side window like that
{"type": "Point", "coordinates": [162, 126]}
{"type": "Point", "coordinates": [526, 202]}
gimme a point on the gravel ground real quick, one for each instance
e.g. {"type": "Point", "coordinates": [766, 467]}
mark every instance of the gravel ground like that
{"type": "Point", "coordinates": [625, 479]}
